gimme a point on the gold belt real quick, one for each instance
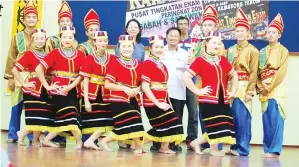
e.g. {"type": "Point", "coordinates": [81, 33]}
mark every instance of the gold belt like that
{"type": "Point", "coordinates": [97, 79]}
{"type": "Point", "coordinates": [66, 74]}
{"type": "Point", "coordinates": [130, 86]}
{"type": "Point", "coordinates": [158, 86]}
{"type": "Point", "coordinates": [25, 76]}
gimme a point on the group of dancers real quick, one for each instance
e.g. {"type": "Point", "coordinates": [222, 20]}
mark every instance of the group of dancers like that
{"type": "Point", "coordinates": [82, 91]}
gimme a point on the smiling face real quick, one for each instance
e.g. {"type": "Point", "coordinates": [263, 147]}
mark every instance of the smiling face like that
{"type": "Point", "coordinates": [241, 33]}
{"type": "Point", "coordinates": [208, 26]}
{"type": "Point", "coordinates": [101, 44]}
{"type": "Point", "coordinates": [67, 39]}
{"type": "Point", "coordinates": [173, 38]}
{"type": "Point", "coordinates": [213, 45]}
{"type": "Point", "coordinates": [133, 29]}
{"type": "Point", "coordinates": [39, 40]}
{"type": "Point", "coordinates": [91, 30]}
{"type": "Point", "coordinates": [30, 20]}
{"type": "Point", "coordinates": [157, 48]}
{"type": "Point", "coordinates": [65, 21]}
{"type": "Point", "coordinates": [272, 35]}
{"type": "Point", "coordinates": [126, 49]}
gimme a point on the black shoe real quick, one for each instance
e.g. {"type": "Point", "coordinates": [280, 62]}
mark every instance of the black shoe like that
{"type": "Point", "coordinates": [175, 148]}
{"type": "Point", "coordinates": [155, 148]}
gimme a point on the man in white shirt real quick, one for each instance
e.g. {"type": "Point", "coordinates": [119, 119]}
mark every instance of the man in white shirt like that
{"type": "Point", "coordinates": [175, 59]}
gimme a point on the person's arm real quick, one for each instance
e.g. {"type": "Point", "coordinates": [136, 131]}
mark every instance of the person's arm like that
{"type": "Point", "coordinates": [281, 72]}
{"type": "Point", "coordinates": [75, 83]}
{"type": "Point", "coordinates": [17, 76]}
{"type": "Point", "coordinates": [232, 76]}
{"type": "Point", "coordinates": [148, 92]}
{"type": "Point", "coordinates": [114, 87]}
{"type": "Point", "coordinates": [11, 59]}
{"type": "Point", "coordinates": [86, 99]}
{"type": "Point", "coordinates": [253, 72]}
{"type": "Point", "coordinates": [45, 64]}
{"type": "Point", "coordinates": [40, 72]}
{"type": "Point", "coordinates": [191, 86]}
{"type": "Point", "coordinates": [234, 84]}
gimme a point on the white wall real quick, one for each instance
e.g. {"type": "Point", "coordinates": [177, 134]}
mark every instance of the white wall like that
{"type": "Point", "coordinates": [50, 24]}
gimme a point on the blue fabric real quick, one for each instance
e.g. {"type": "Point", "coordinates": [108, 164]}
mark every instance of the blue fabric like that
{"type": "Point", "coordinates": [85, 137]}
{"type": "Point", "coordinates": [273, 125]}
{"type": "Point", "coordinates": [15, 122]}
{"type": "Point", "coordinates": [59, 139]}
{"type": "Point", "coordinates": [183, 43]}
{"type": "Point", "coordinates": [242, 123]}
{"type": "Point", "coordinates": [138, 53]}
{"type": "Point", "coordinates": [203, 130]}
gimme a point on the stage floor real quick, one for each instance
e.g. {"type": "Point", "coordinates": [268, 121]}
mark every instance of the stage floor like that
{"type": "Point", "coordinates": [29, 156]}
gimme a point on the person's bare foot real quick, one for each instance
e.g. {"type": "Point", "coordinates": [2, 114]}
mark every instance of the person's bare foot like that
{"type": "Point", "coordinates": [196, 147]}
{"type": "Point", "coordinates": [139, 151]}
{"type": "Point", "coordinates": [166, 151]}
{"type": "Point", "coordinates": [78, 145]}
{"type": "Point", "coordinates": [11, 141]}
{"type": "Point", "coordinates": [217, 153]}
{"type": "Point", "coordinates": [21, 138]}
{"type": "Point", "coordinates": [36, 144]}
{"type": "Point", "coordinates": [48, 143]}
{"type": "Point", "coordinates": [270, 155]}
{"type": "Point", "coordinates": [105, 146]}
{"type": "Point", "coordinates": [232, 152]}
{"type": "Point", "coordinates": [132, 147]}
{"type": "Point", "coordinates": [123, 145]}
{"type": "Point", "coordinates": [91, 145]}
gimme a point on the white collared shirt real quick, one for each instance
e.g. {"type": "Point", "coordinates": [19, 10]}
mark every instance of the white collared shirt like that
{"type": "Point", "coordinates": [176, 64]}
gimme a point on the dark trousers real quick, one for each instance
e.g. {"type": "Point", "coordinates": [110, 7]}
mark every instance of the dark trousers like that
{"type": "Point", "coordinates": [192, 129]}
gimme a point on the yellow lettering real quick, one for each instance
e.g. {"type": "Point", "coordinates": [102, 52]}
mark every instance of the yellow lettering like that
{"type": "Point", "coordinates": [135, 4]}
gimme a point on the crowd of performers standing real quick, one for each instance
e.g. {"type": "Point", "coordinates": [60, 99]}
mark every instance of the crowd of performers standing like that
{"type": "Point", "coordinates": [82, 91]}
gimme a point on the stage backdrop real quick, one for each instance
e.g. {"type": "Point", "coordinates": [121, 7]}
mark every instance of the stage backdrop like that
{"type": "Point", "coordinates": [157, 16]}
{"type": "Point", "coordinates": [113, 15]}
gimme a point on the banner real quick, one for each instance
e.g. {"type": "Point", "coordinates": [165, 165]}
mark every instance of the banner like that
{"type": "Point", "coordinates": [157, 16]}
{"type": "Point", "coordinates": [18, 20]}
{"type": "Point", "coordinates": [256, 11]}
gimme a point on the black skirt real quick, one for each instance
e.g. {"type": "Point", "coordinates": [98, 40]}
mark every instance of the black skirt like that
{"type": "Point", "coordinates": [67, 117]}
{"type": "Point", "coordinates": [38, 114]}
{"type": "Point", "coordinates": [166, 125]}
{"type": "Point", "coordinates": [218, 122]}
{"type": "Point", "coordinates": [100, 119]}
{"type": "Point", "coordinates": [127, 120]}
